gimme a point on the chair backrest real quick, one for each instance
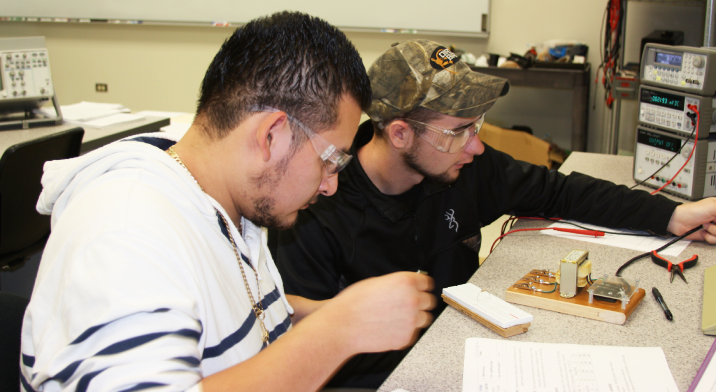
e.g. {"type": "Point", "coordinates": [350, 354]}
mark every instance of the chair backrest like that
{"type": "Point", "coordinates": [12, 309]}
{"type": "Point", "coordinates": [20, 173]}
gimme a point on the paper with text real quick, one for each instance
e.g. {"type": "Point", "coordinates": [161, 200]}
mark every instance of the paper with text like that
{"type": "Point", "coordinates": [502, 365]}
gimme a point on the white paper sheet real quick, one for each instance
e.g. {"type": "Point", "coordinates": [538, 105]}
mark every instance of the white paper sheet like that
{"type": "Point", "coordinates": [708, 379]}
{"type": "Point", "coordinates": [640, 243]}
{"type": "Point", "coordinates": [503, 365]}
{"type": "Point", "coordinates": [86, 111]}
{"type": "Point", "coordinates": [156, 113]}
{"type": "Point", "coordinates": [705, 380]}
{"type": "Point", "coordinates": [108, 121]}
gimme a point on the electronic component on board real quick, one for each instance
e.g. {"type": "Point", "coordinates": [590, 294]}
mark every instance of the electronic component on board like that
{"type": "Point", "coordinates": [612, 288]}
{"type": "Point", "coordinates": [569, 272]}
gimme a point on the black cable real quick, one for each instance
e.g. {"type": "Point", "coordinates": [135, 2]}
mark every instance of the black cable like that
{"type": "Point", "coordinates": [632, 260]}
{"type": "Point", "coordinates": [588, 228]}
{"type": "Point", "coordinates": [601, 56]}
{"type": "Point", "coordinates": [503, 230]}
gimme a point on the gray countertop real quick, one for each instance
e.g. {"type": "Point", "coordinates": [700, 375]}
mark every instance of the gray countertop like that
{"type": "Point", "coordinates": [436, 361]}
{"type": "Point", "coordinates": [93, 137]}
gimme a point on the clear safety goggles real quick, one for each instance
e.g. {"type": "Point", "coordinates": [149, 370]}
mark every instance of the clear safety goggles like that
{"type": "Point", "coordinates": [334, 159]}
{"type": "Point", "coordinates": [449, 140]}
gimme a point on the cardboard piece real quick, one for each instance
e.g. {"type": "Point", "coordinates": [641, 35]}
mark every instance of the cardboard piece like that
{"type": "Point", "coordinates": [519, 145]}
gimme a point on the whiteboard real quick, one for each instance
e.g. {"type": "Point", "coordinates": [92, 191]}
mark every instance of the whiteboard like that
{"type": "Point", "coordinates": [463, 17]}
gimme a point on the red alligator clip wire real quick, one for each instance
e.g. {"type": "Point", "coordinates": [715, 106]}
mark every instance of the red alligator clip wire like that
{"type": "Point", "coordinates": [580, 231]}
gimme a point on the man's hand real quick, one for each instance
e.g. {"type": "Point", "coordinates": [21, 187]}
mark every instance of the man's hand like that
{"type": "Point", "coordinates": [384, 313]}
{"type": "Point", "coordinates": [690, 215]}
{"type": "Point", "coordinates": [373, 315]}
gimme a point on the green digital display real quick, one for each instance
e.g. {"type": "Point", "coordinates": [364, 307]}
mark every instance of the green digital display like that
{"type": "Point", "coordinates": [662, 99]}
{"type": "Point", "coordinates": [663, 142]}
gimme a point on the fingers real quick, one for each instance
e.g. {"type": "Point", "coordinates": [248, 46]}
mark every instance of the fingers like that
{"type": "Point", "coordinates": [689, 215]}
{"type": "Point", "coordinates": [426, 301]}
{"type": "Point", "coordinates": [424, 282]}
{"type": "Point", "coordinates": [424, 319]}
{"type": "Point", "coordinates": [383, 313]}
{"type": "Point", "coordinates": [709, 234]}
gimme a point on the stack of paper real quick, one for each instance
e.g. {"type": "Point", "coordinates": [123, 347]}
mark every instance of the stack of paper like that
{"type": "Point", "coordinates": [487, 306]}
{"type": "Point", "coordinates": [88, 111]}
{"type": "Point", "coordinates": [95, 115]}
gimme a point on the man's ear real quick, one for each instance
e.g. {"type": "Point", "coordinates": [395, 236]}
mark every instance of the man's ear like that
{"type": "Point", "coordinates": [269, 129]}
{"type": "Point", "coordinates": [399, 133]}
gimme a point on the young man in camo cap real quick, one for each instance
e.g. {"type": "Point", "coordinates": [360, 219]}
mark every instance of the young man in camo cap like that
{"type": "Point", "coordinates": [423, 185]}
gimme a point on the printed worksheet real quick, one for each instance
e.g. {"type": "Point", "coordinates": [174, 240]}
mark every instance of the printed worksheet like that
{"type": "Point", "coordinates": [502, 365]}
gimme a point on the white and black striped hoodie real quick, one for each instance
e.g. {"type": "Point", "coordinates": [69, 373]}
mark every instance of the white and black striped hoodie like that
{"type": "Point", "coordinates": [139, 286]}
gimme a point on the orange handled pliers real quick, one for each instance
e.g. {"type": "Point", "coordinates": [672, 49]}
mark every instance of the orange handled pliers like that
{"type": "Point", "coordinates": [674, 268]}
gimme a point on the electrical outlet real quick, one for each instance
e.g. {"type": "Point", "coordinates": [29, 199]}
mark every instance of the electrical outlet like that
{"type": "Point", "coordinates": [100, 87]}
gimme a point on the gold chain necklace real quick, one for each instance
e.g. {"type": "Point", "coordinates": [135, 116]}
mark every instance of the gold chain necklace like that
{"type": "Point", "coordinates": [257, 307]}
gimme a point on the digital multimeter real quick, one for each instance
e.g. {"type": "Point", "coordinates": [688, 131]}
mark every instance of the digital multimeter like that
{"type": "Point", "coordinates": [661, 108]}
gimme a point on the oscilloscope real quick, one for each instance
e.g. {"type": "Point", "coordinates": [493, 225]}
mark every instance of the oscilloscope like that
{"type": "Point", "coordinates": [25, 83]}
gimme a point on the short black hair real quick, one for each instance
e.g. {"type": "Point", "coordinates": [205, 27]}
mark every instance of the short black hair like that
{"type": "Point", "coordinates": [288, 61]}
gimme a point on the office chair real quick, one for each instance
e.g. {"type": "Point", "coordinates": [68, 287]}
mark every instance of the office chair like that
{"type": "Point", "coordinates": [12, 309]}
{"type": "Point", "coordinates": [23, 231]}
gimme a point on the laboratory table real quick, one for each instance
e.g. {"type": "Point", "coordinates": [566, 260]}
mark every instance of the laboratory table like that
{"type": "Point", "coordinates": [93, 138]}
{"type": "Point", "coordinates": [436, 362]}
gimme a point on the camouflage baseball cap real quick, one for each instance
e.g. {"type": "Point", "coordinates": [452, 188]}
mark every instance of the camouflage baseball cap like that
{"type": "Point", "coordinates": [423, 73]}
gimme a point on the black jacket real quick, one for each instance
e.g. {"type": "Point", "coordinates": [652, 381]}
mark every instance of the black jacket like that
{"type": "Point", "coordinates": [360, 233]}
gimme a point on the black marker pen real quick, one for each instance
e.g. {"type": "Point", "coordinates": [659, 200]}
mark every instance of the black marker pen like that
{"type": "Point", "coordinates": [661, 302]}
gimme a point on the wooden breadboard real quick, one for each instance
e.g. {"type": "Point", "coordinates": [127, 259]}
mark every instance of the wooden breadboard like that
{"type": "Point", "coordinates": [578, 305]}
{"type": "Point", "coordinates": [504, 332]}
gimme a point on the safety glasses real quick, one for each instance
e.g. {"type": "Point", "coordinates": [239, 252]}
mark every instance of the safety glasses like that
{"type": "Point", "coordinates": [449, 140]}
{"type": "Point", "coordinates": [334, 159]}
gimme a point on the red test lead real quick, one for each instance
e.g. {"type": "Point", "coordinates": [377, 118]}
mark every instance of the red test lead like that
{"type": "Point", "coordinates": [594, 233]}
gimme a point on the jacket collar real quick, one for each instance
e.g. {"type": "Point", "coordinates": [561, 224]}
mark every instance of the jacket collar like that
{"type": "Point", "coordinates": [389, 207]}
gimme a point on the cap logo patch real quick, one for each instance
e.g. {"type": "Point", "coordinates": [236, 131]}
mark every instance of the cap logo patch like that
{"type": "Point", "coordinates": [442, 59]}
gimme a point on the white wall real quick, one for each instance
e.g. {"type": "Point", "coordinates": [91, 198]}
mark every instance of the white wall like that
{"type": "Point", "coordinates": [161, 67]}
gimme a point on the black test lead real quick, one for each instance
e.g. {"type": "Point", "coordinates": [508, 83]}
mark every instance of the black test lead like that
{"type": "Point", "coordinates": [661, 302]}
